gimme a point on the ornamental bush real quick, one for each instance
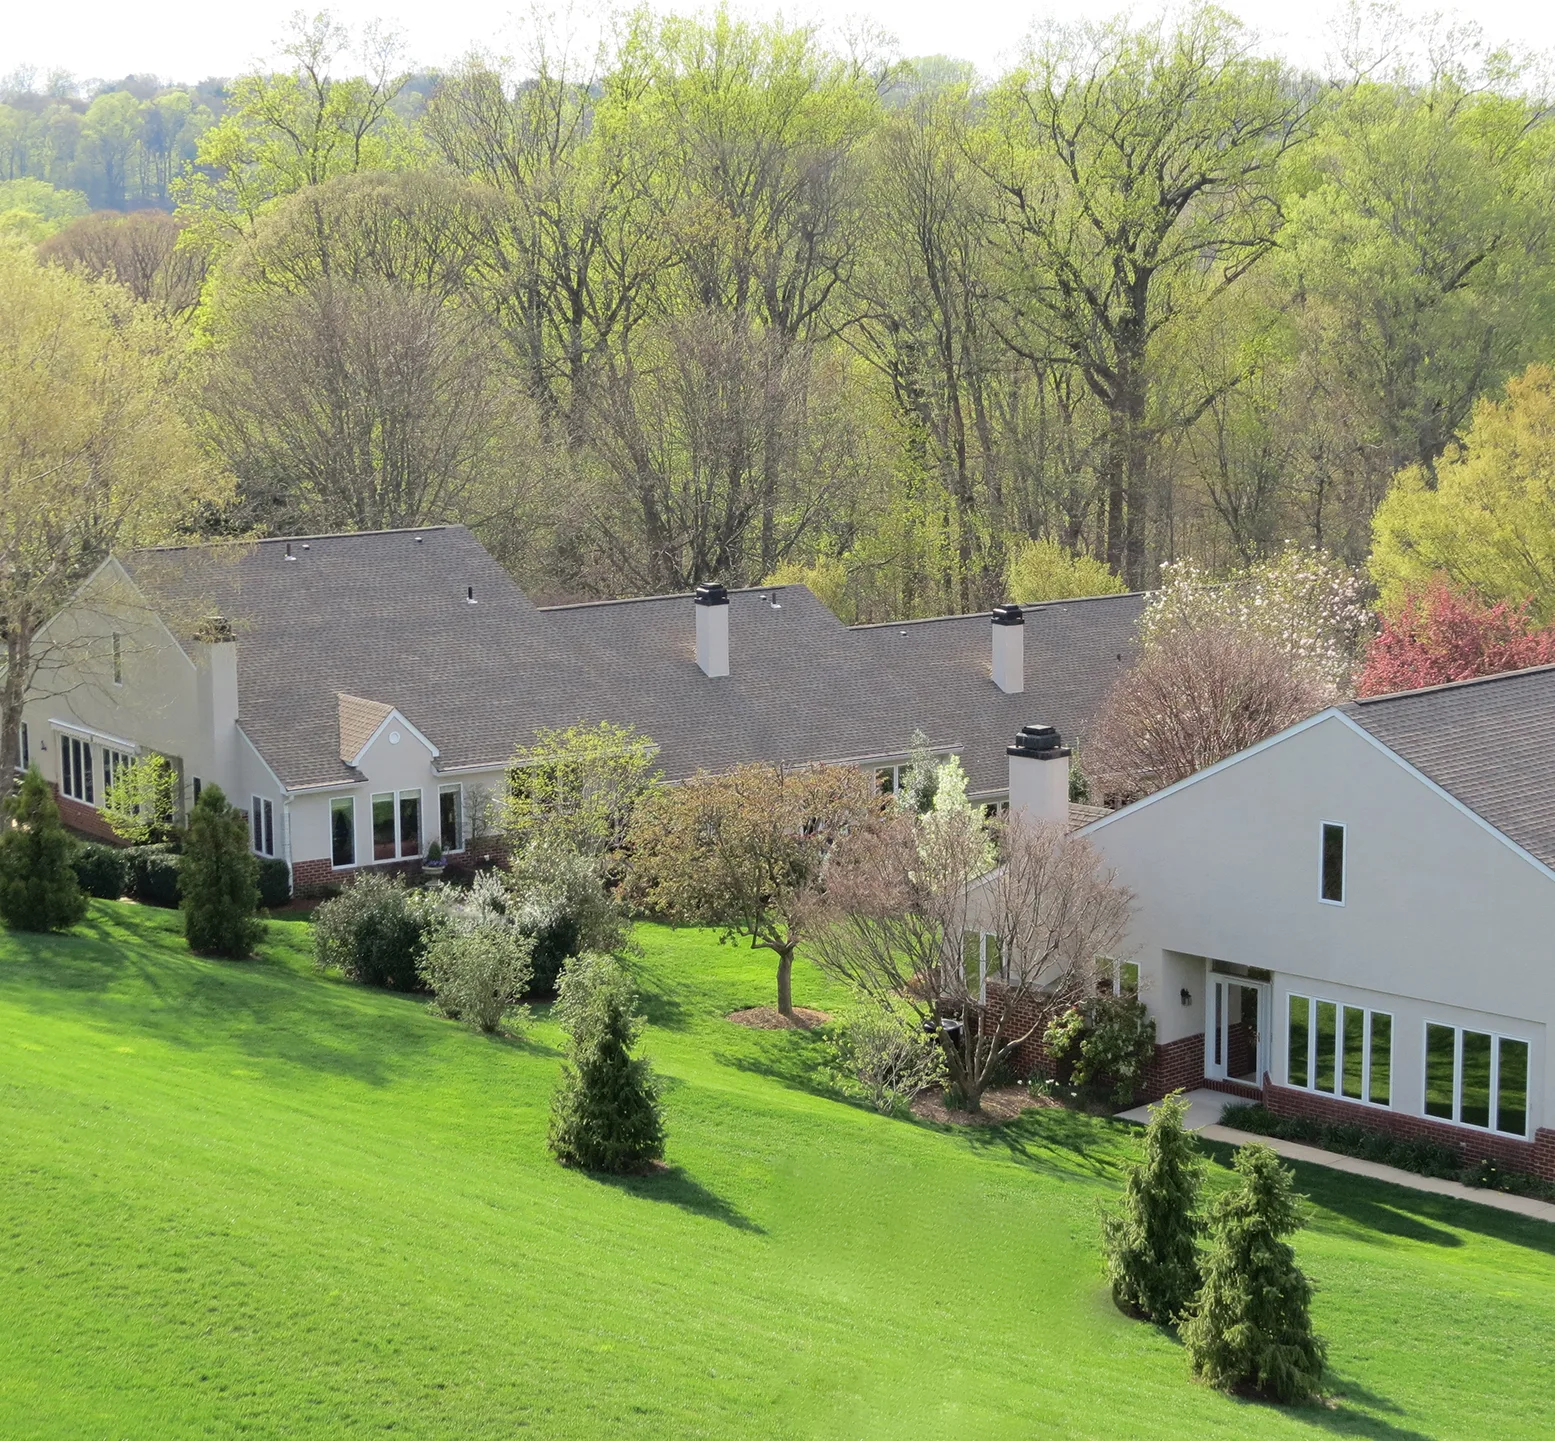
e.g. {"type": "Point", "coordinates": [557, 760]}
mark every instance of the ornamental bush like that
{"type": "Point", "coordinates": [1103, 1039]}
{"type": "Point", "coordinates": [101, 870]}
{"type": "Point", "coordinates": [372, 933]}
{"type": "Point", "coordinates": [1251, 1325]}
{"type": "Point", "coordinates": [605, 1115]}
{"type": "Point", "coordinates": [219, 880]}
{"type": "Point", "coordinates": [275, 883]}
{"type": "Point", "coordinates": [1151, 1242]}
{"type": "Point", "coordinates": [564, 906]}
{"type": "Point", "coordinates": [476, 961]}
{"type": "Point", "coordinates": [884, 1057]}
{"type": "Point", "coordinates": [38, 886]}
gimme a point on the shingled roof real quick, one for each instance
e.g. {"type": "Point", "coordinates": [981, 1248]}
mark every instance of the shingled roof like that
{"type": "Point", "coordinates": [428, 623]}
{"type": "Point", "coordinates": [1488, 742]}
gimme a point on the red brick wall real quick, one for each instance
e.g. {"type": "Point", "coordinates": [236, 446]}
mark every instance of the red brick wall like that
{"type": "Point", "coordinates": [84, 819]}
{"type": "Point", "coordinates": [1535, 1157]}
{"type": "Point", "coordinates": [1176, 1065]}
{"type": "Point", "coordinates": [309, 878]}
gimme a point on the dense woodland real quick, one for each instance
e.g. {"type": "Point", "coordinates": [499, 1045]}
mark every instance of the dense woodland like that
{"type": "Point", "coordinates": [729, 300]}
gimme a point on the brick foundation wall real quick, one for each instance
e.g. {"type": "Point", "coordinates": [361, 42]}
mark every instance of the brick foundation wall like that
{"type": "Point", "coordinates": [85, 820]}
{"type": "Point", "coordinates": [311, 878]}
{"type": "Point", "coordinates": [1534, 1158]}
{"type": "Point", "coordinates": [1176, 1065]}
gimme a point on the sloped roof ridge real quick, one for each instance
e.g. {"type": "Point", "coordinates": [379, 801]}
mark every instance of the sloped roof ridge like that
{"type": "Point", "coordinates": [675, 595]}
{"type": "Point", "coordinates": [1024, 605]}
{"type": "Point", "coordinates": [1449, 685]}
{"type": "Point", "coordinates": [275, 539]}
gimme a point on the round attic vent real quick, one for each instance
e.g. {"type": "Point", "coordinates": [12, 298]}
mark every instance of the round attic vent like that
{"type": "Point", "coordinates": [394, 738]}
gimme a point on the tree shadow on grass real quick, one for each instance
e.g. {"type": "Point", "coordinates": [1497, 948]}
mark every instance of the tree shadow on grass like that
{"type": "Point", "coordinates": [673, 1187]}
{"type": "Point", "coordinates": [1054, 1140]}
{"type": "Point", "coordinates": [127, 968]}
{"type": "Point", "coordinates": [1367, 1209]}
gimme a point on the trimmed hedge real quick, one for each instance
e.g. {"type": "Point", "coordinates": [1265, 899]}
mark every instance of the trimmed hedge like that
{"type": "Point", "coordinates": [275, 883]}
{"type": "Point", "coordinates": [151, 876]}
{"type": "Point", "coordinates": [101, 870]}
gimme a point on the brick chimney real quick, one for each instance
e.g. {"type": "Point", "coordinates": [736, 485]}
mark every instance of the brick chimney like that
{"type": "Point", "coordinates": [1039, 776]}
{"type": "Point", "coordinates": [712, 608]}
{"type": "Point", "coordinates": [1009, 649]}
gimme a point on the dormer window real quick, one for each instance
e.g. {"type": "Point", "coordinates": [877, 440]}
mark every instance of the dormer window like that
{"type": "Point", "coordinates": [1331, 877]}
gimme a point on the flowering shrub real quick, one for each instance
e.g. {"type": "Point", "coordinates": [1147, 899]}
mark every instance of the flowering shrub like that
{"type": "Point", "coordinates": [1307, 605]}
{"type": "Point", "coordinates": [1104, 1038]}
{"type": "Point", "coordinates": [1440, 635]}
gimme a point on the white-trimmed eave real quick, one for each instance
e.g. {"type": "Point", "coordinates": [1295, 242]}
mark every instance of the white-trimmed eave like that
{"type": "Point", "coordinates": [394, 715]}
{"type": "Point", "coordinates": [1337, 714]}
{"type": "Point", "coordinates": [90, 733]}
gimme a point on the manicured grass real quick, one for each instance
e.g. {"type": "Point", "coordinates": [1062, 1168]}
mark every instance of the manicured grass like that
{"type": "Point", "coordinates": [242, 1200]}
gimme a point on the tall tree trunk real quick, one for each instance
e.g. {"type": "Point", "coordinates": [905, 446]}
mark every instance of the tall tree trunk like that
{"type": "Point", "coordinates": [12, 694]}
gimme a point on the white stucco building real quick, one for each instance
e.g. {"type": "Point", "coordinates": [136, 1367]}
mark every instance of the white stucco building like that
{"type": "Point", "coordinates": [1356, 918]}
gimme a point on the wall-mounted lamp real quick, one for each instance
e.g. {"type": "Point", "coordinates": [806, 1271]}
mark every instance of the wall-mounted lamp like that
{"type": "Point", "coordinates": [1187, 996]}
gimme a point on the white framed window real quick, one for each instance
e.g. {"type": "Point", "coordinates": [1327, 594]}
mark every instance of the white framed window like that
{"type": "Point", "coordinates": [1476, 1078]}
{"type": "Point", "coordinates": [114, 762]}
{"type": "Point", "coordinates": [262, 820]}
{"type": "Point", "coordinates": [26, 749]}
{"type": "Point", "coordinates": [411, 837]}
{"type": "Point", "coordinates": [1339, 1050]}
{"type": "Point", "coordinates": [342, 832]}
{"type": "Point", "coordinates": [1331, 864]}
{"type": "Point", "coordinates": [75, 769]}
{"type": "Point", "coordinates": [980, 959]}
{"type": "Point", "coordinates": [450, 819]}
{"type": "Point", "coordinates": [1118, 978]}
{"type": "Point", "coordinates": [397, 828]}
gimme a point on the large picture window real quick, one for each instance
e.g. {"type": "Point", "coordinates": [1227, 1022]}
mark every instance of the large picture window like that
{"type": "Point", "coordinates": [397, 825]}
{"type": "Point", "coordinates": [75, 769]}
{"type": "Point", "coordinates": [342, 831]}
{"type": "Point", "coordinates": [1339, 1050]}
{"type": "Point", "coordinates": [1476, 1078]}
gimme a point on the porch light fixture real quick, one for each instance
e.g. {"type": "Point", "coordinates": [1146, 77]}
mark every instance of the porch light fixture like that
{"type": "Point", "coordinates": [1187, 996]}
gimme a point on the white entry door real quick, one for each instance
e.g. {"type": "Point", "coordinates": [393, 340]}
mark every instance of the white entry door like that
{"type": "Point", "coordinates": [1237, 1030]}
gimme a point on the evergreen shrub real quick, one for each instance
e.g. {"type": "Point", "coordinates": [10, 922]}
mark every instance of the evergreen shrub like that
{"type": "Point", "coordinates": [1151, 1242]}
{"type": "Point", "coordinates": [605, 1114]}
{"type": "Point", "coordinates": [1251, 1326]}
{"type": "Point", "coordinates": [101, 870]}
{"type": "Point", "coordinates": [275, 883]}
{"type": "Point", "coordinates": [38, 886]}
{"type": "Point", "coordinates": [219, 880]}
{"type": "Point", "coordinates": [151, 875]}
{"type": "Point", "coordinates": [373, 933]}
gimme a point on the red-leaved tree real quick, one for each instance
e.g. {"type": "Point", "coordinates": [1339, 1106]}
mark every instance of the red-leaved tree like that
{"type": "Point", "coordinates": [1440, 634]}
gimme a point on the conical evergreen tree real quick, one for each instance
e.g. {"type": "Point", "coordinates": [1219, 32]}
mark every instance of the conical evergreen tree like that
{"type": "Point", "coordinates": [1151, 1242]}
{"type": "Point", "coordinates": [219, 880]}
{"type": "Point", "coordinates": [605, 1114]}
{"type": "Point", "coordinates": [38, 886]}
{"type": "Point", "coordinates": [1252, 1325]}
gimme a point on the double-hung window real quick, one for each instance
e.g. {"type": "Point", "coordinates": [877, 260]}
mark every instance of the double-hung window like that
{"type": "Point", "coordinates": [75, 769]}
{"type": "Point", "coordinates": [396, 825]}
{"type": "Point", "coordinates": [450, 818]}
{"type": "Point", "coordinates": [1476, 1078]}
{"type": "Point", "coordinates": [262, 819]}
{"type": "Point", "coordinates": [1340, 1050]}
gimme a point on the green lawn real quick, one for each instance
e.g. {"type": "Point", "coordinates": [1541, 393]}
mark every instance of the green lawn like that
{"type": "Point", "coordinates": [241, 1200]}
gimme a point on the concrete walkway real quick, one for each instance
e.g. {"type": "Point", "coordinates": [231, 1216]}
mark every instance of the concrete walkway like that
{"type": "Point", "coordinates": [1204, 1108]}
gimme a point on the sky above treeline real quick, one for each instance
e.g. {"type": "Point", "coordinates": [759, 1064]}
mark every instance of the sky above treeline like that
{"type": "Point", "coordinates": [188, 40]}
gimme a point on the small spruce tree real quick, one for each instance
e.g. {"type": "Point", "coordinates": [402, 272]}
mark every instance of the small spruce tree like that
{"type": "Point", "coordinates": [605, 1114]}
{"type": "Point", "coordinates": [1151, 1242]}
{"type": "Point", "coordinates": [38, 886]}
{"type": "Point", "coordinates": [1251, 1325]}
{"type": "Point", "coordinates": [219, 880]}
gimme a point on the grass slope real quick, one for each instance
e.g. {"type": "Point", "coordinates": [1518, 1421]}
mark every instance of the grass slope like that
{"type": "Point", "coordinates": [241, 1200]}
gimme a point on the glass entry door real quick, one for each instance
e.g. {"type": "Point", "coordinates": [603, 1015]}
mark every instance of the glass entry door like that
{"type": "Point", "coordinates": [1236, 1030]}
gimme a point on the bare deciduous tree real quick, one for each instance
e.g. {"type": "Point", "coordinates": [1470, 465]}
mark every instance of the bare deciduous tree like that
{"type": "Point", "coordinates": [1196, 695]}
{"type": "Point", "coordinates": [901, 899]}
{"type": "Point", "coordinates": [139, 250]}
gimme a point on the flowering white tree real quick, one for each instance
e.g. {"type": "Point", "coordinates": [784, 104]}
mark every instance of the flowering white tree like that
{"type": "Point", "coordinates": [1306, 605]}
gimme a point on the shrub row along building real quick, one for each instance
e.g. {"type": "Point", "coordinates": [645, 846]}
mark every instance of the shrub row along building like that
{"type": "Point", "coordinates": [1352, 920]}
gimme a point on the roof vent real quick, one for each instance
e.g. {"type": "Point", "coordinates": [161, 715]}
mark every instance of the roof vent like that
{"type": "Point", "coordinates": [289, 554]}
{"type": "Point", "coordinates": [469, 595]}
{"type": "Point", "coordinates": [712, 611]}
{"type": "Point", "coordinates": [1042, 742]}
{"type": "Point", "coordinates": [1009, 649]}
